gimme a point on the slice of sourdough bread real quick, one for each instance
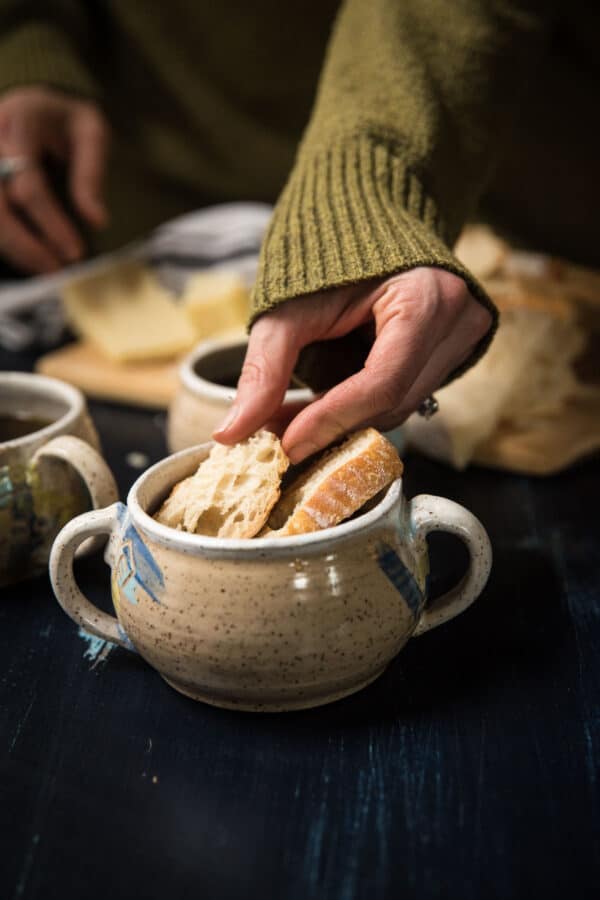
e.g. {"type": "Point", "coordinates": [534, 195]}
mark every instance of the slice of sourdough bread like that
{"type": "Point", "coordinates": [336, 485]}
{"type": "Point", "coordinates": [232, 492]}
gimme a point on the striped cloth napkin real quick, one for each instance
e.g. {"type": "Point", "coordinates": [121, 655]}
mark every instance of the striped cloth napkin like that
{"type": "Point", "coordinates": [229, 234]}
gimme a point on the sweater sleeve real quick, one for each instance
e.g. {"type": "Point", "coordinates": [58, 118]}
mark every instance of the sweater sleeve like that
{"type": "Point", "coordinates": [415, 102]}
{"type": "Point", "coordinates": [45, 44]}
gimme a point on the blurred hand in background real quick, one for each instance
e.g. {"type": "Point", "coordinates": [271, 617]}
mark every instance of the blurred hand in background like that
{"type": "Point", "coordinates": [39, 126]}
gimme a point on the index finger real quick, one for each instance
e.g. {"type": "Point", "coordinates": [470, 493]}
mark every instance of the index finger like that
{"type": "Point", "coordinates": [30, 191]}
{"type": "Point", "coordinates": [89, 141]}
{"type": "Point", "coordinates": [20, 246]}
{"type": "Point", "coordinates": [272, 352]}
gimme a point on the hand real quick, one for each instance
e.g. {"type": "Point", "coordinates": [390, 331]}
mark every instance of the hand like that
{"type": "Point", "coordinates": [426, 324]}
{"type": "Point", "coordinates": [36, 234]}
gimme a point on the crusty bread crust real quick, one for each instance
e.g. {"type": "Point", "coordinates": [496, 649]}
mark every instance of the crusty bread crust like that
{"type": "Point", "coordinates": [337, 485]}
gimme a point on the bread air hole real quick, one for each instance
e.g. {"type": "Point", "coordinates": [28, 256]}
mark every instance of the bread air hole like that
{"type": "Point", "coordinates": [266, 455]}
{"type": "Point", "coordinates": [210, 522]}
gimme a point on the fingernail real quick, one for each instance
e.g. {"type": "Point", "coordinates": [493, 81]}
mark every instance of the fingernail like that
{"type": "Point", "coordinates": [102, 217]}
{"type": "Point", "coordinates": [228, 420]}
{"type": "Point", "coordinates": [72, 254]}
{"type": "Point", "coordinates": [301, 451]}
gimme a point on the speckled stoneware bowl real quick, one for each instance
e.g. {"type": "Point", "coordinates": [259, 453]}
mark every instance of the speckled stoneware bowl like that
{"type": "Point", "coordinates": [202, 400]}
{"type": "Point", "coordinates": [48, 475]}
{"type": "Point", "coordinates": [272, 623]}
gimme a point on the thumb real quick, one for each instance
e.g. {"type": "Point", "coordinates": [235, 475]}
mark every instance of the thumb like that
{"type": "Point", "coordinates": [89, 147]}
{"type": "Point", "coordinates": [272, 352]}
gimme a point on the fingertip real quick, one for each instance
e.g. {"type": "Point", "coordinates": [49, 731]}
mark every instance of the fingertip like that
{"type": "Point", "coordinates": [230, 417]}
{"type": "Point", "coordinates": [304, 434]}
{"type": "Point", "coordinates": [223, 436]}
{"type": "Point", "coordinates": [100, 217]}
{"type": "Point", "coordinates": [45, 269]}
{"type": "Point", "coordinates": [73, 253]}
{"type": "Point", "coordinates": [299, 452]}
{"type": "Point", "coordinates": [46, 266]}
{"type": "Point", "coordinates": [242, 422]}
{"type": "Point", "coordinates": [42, 260]}
{"type": "Point", "coordinates": [93, 211]}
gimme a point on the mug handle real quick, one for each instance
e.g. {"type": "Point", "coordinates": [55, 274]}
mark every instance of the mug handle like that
{"type": "Point", "coordinates": [427, 514]}
{"type": "Point", "coordinates": [75, 604]}
{"type": "Point", "coordinates": [91, 468]}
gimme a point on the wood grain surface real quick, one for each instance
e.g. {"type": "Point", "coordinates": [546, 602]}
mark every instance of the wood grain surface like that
{"type": "Point", "coordinates": [149, 384]}
{"type": "Point", "coordinates": [469, 770]}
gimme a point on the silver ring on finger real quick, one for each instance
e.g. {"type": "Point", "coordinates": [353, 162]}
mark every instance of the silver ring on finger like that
{"type": "Point", "coordinates": [12, 165]}
{"type": "Point", "coordinates": [428, 407]}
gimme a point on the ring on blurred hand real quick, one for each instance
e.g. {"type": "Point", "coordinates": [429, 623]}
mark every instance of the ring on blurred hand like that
{"type": "Point", "coordinates": [12, 165]}
{"type": "Point", "coordinates": [428, 407]}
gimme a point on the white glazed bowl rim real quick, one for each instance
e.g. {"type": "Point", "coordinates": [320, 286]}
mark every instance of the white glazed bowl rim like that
{"type": "Point", "coordinates": [48, 387]}
{"type": "Point", "coordinates": [202, 387]}
{"type": "Point", "coordinates": [254, 548]}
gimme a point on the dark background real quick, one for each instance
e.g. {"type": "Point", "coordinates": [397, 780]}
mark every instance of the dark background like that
{"type": "Point", "coordinates": [469, 770]}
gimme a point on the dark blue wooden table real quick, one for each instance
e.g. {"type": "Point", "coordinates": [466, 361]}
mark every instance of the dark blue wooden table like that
{"type": "Point", "coordinates": [469, 770]}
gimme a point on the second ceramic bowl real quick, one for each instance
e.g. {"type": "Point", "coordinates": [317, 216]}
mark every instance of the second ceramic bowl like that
{"type": "Point", "coordinates": [207, 386]}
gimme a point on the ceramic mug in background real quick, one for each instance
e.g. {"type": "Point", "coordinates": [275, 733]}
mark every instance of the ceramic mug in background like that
{"type": "Point", "coordinates": [50, 469]}
{"type": "Point", "coordinates": [207, 383]}
{"type": "Point", "coordinates": [268, 624]}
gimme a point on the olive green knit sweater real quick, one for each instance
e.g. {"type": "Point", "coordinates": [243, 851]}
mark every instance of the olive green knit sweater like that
{"type": "Point", "coordinates": [381, 125]}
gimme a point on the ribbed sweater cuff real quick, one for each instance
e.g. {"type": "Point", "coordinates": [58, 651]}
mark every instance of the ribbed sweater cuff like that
{"type": "Point", "coordinates": [42, 54]}
{"type": "Point", "coordinates": [349, 213]}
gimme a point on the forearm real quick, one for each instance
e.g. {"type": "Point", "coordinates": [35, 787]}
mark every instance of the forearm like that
{"type": "Point", "coordinates": [414, 103]}
{"type": "Point", "coordinates": [439, 82]}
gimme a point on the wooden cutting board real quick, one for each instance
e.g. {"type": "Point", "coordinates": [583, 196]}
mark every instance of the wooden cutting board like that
{"type": "Point", "coordinates": [151, 384]}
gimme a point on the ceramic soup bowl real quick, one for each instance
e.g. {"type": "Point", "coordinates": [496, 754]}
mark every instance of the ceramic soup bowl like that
{"type": "Point", "coordinates": [50, 469]}
{"type": "Point", "coordinates": [207, 383]}
{"type": "Point", "coordinates": [271, 623]}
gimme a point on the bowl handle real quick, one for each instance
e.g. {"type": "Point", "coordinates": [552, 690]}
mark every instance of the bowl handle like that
{"type": "Point", "coordinates": [428, 513]}
{"type": "Point", "coordinates": [74, 603]}
{"type": "Point", "coordinates": [90, 467]}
